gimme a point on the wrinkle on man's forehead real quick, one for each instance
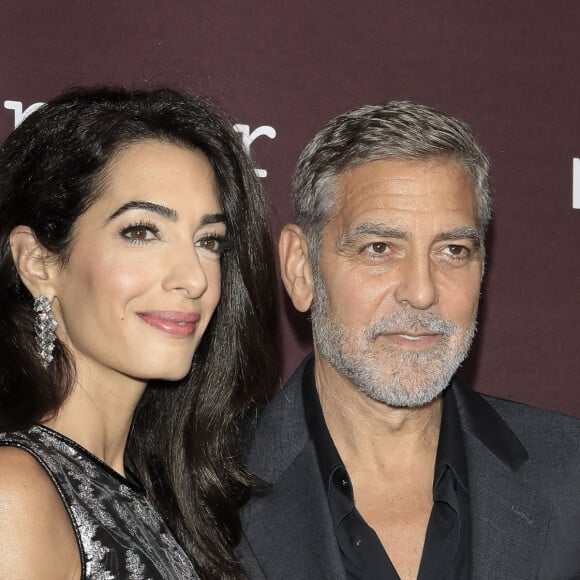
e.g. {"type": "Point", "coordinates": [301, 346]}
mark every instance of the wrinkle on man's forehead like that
{"type": "Point", "coordinates": [395, 191]}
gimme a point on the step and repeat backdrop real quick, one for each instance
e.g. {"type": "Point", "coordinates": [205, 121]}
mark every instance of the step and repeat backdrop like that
{"type": "Point", "coordinates": [283, 69]}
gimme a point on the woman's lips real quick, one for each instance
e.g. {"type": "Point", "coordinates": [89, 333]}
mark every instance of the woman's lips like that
{"type": "Point", "coordinates": [175, 323]}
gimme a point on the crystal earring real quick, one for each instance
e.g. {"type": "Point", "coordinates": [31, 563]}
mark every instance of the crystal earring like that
{"type": "Point", "coordinates": [44, 326]}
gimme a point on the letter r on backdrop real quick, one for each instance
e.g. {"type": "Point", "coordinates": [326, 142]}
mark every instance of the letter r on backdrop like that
{"type": "Point", "coordinates": [19, 114]}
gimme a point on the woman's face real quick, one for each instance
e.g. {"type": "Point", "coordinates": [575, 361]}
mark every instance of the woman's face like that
{"type": "Point", "coordinates": [143, 279]}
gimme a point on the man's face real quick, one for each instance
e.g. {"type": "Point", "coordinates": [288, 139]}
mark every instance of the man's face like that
{"type": "Point", "coordinates": [398, 279]}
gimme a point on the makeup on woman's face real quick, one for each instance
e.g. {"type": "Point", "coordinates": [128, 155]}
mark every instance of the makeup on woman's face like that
{"type": "Point", "coordinates": [143, 278]}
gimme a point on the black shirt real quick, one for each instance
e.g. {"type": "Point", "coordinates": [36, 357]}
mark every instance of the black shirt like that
{"type": "Point", "coordinates": [446, 552]}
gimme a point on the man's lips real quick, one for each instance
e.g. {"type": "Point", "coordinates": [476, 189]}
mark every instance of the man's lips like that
{"type": "Point", "coordinates": [412, 340]}
{"type": "Point", "coordinates": [174, 322]}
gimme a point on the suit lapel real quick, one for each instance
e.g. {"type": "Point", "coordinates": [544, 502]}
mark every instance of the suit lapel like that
{"type": "Point", "coordinates": [288, 528]}
{"type": "Point", "coordinates": [509, 517]}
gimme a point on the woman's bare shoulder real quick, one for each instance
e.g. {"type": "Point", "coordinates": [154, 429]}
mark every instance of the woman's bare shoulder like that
{"type": "Point", "coordinates": [36, 535]}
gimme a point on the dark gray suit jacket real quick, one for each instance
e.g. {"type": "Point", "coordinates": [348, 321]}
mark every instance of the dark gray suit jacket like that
{"type": "Point", "coordinates": [524, 485]}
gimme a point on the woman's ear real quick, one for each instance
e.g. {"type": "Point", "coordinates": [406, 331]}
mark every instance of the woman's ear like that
{"type": "Point", "coordinates": [34, 263]}
{"type": "Point", "coordinates": [295, 266]}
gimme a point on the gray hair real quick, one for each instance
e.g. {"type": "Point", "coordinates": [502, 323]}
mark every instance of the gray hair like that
{"type": "Point", "coordinates": [396, 130]}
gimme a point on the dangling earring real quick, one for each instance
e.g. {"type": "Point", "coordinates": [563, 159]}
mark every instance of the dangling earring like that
{"type": "Point", "coordinates": [44, 326]}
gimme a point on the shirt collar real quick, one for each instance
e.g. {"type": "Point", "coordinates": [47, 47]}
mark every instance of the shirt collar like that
{"type": "Point", "coordinates": [451, 447]}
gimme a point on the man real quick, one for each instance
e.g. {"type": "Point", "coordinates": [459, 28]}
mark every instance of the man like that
{"type": "Point", "coordinates": [378, 464]}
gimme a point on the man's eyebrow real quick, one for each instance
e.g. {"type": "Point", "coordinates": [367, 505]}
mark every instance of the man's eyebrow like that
{"type": "Point", "coordinates": [366, 229]}
{"type": "Point", "coordinates": [470, 233]}
{"type": "Point", "coordinates": [381, 230]}
{"type": "Point", "coordinates": [162, 210]}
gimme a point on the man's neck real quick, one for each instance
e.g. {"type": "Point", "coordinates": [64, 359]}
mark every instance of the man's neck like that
{"type": "Point", "coordinates": [371, 435]}
{"type": "Point", "coordinates": [389, 454]}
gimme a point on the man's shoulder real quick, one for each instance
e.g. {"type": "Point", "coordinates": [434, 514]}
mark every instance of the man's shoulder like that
{"type": "Point", "coordinates": [523, 413]}
{"type": "Point", "coordinates": [287, 403]}
{"type": "Point", "coordinates": [543, 432]}
{"type": "Point", "coordinates": [277, 432]}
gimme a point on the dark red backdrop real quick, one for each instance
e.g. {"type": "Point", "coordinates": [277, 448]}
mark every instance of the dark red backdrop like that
{"type": "Point", "coordinates": [510, 69]}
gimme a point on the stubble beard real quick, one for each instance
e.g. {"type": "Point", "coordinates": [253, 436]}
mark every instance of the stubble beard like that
{"type": "Point", "coordinates": [381, 371]}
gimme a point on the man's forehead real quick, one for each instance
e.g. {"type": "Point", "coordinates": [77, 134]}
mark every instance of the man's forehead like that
{"type": "Point", "coordinates": [367, 174]}
{"type": "Point", "coordinates": [390, 189]}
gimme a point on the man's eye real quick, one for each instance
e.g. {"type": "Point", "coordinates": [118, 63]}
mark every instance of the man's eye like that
{"type": "Point", "coordinates": [457, 251]}
{"type": "Point", "coordinates": [377, 247]}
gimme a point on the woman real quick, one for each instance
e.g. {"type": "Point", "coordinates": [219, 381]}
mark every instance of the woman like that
{"type": "Point", "coordinates": [133, 234]}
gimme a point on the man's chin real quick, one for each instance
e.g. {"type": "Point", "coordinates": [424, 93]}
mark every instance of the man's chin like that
{"type": "Point", "coordinates": [405, 396]}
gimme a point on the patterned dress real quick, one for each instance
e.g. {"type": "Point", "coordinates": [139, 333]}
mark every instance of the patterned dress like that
{"type": "Point", "coordinates": [119, 533]}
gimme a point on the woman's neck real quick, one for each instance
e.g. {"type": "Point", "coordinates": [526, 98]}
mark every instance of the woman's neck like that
{"type": "Point", "coordinates": [98, 414]}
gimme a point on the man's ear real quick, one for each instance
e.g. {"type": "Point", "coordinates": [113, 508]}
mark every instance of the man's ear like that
{"type": "Point", "coordinates": [34, 263]}
{"type": "Point", "coordinates": [295, 266]}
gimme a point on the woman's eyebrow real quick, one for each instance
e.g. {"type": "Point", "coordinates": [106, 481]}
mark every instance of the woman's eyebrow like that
{"type": "Point", "coordinates": [162, 210]}
{"type": "Point", "coordinates": [166, 212]}
{"type": "Point", "coordinates": [212, 218]}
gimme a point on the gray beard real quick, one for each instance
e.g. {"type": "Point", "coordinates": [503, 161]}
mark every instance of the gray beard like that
{"type": "Point", "coordinates": [386, 374]}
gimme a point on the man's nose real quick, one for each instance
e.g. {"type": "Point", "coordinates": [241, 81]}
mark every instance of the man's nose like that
{"type": "Point", "coordinates": [416, 284]}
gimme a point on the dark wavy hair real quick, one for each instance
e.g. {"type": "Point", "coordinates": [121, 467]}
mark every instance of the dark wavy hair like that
{"type": "Point", "coordinates": [184, 439]}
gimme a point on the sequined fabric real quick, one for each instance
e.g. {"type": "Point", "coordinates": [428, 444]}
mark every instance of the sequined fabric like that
{"type": "Point", "coordinates": [119, 533]}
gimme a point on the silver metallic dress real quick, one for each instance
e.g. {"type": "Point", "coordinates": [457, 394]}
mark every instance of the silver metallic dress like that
{"type": "Point", "coordinates": [119, 533]}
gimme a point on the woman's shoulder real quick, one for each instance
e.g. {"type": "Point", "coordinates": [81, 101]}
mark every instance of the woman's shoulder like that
{"type": "Point", "coordinates": [36, 534]}
{"type": "Point", "coordinates": [23, 475]}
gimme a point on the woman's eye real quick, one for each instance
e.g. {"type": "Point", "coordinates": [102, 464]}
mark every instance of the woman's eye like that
{"type": "Point", "coordinates": [140, 233]}
{"type": "Point", "coordinates": [213, 244]}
